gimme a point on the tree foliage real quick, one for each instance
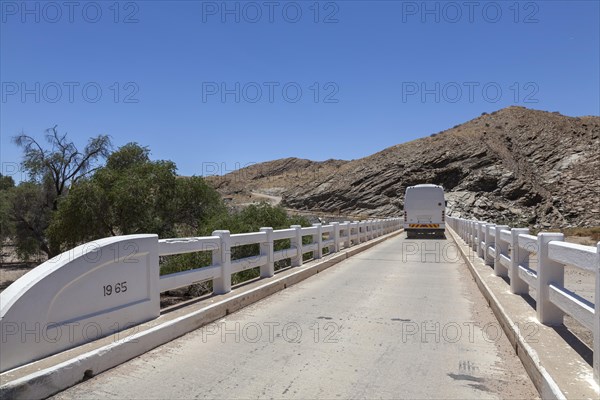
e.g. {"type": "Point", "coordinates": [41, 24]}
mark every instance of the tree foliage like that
{"type": "Point", "coordinates": [63, 163]}
{"type": "Point", "coordinates": [133, 194]}
{"type": "Point", "coordinates": [51, 168]}
{"type": "Point", "coordinates": [249, 219]}
{"type": "Point", "coordinates": [7, 185]}
{"type": "Point", "coordinates": [31, 216]}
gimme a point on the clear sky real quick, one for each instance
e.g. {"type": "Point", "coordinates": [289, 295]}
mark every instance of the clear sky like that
{"type": "Point", "coordinates": [230, 83]}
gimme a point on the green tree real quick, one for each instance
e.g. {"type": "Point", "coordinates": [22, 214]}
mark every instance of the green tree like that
{"type": "Point", "coordinates": [30, 216]}
{"type": "Point", "coordinates": [6, 182]}
{"type": "Point", "coordinates": [63, 163]}
{"type": "Point", "coordinates": [52, 169]}
{"type": "Point", "coordinates": [7, 185]}
{"type": "Point", "coordinates": [133, 194]}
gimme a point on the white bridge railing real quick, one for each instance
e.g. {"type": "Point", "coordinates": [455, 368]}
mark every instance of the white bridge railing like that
{"type": "Point", "coordinates": [108, 285]}
{"type": "Point", "coordinates": [332, 237]}
{"type": "Point", "coordinates": [508, 251]}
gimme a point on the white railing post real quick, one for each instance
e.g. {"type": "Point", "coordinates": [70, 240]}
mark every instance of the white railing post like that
{"type": "Point", "coordinates": [501, 248]}
{"type": "Point", "coordinates": [319, 252]}
{"type": "Point", "coordinates": [489, 242]}
{"type": "Point", "coordinates": [482, 243]}
{"type": "Point", "coordinates": [548, 272]}
{"type": "Point", "coordinates": [222, 284]}
{"type": "Point", "coordinates": [296, 242]}
{"type": "Point", "coordinates": [596, 355]}
{"type": "Point", "coordinates": [348, 239]}
{"type": "Point", "coordinates": [266, 249]}
{"type": "Point", "coordinates": [359, 228]}
{"type": "Point", "coordinates": [475, 236]}
{"type": "Point", "coordinates": [363, 231]}
{"type": "Point", "coordinates": [470, 235]}
{"type": "Point", "coordinates": [481, 239]}
{"type": "Point", "coordinates": [518, 257]}
{"type": "Point", "coordinates": [336, 236]}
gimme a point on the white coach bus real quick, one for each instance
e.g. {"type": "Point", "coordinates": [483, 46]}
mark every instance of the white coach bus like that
{"type": "Point", "coordinates": [424, 211]}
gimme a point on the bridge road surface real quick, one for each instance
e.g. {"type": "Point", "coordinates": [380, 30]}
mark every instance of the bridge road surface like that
{"type": "Point", "coordinates": [355, 330]}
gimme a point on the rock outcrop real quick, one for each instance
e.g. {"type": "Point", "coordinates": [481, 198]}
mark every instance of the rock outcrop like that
{"type": "Point", "coordinates": [515, 166]}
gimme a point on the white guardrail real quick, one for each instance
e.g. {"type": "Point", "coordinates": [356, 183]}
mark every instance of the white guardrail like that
{"type": "Point", "coordinates": [333, 237]}
{"type": "Point", "coordinates": [108, 285]}
{"type": "Point", "coordinates": [508, 252]}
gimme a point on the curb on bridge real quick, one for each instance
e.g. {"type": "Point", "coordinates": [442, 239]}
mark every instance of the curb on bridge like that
{"type": "Point", "coordinates": [541, 377]}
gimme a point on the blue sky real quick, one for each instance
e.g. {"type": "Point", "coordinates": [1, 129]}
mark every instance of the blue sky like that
{"type": "Point", "coordinates": [216, 85]}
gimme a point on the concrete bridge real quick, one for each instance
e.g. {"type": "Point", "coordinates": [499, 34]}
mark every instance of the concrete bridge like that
{"type": "Point", "coordinates": [371, 315]}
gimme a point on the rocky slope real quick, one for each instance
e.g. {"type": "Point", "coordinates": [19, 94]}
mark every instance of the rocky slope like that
{"type": "Point", "coordinates": [272, 179]}
{"type": "Point", "coordinates": [516, 165]}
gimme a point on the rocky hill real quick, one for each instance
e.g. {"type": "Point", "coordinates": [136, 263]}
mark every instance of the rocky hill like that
{"type": "Point", "coordinates": [516, 165]}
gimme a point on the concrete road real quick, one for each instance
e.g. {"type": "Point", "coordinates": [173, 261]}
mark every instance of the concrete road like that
{"type": "Point", "coordinates": [401, 320]}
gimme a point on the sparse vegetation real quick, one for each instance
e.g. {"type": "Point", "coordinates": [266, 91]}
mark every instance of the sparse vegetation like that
{"type": "Point", "coordinates": [250, 219]}
{"type": "Point", "coordinates": [592, 232]}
